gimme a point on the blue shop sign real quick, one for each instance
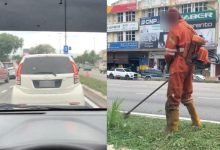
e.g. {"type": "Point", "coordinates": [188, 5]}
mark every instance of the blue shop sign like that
{"type": "Point", "coordinates": [122, 45]}
{"type": "Point", "coordinates": [150, 20]}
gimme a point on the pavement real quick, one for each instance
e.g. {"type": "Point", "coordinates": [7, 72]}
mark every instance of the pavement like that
{"type": "Point", "coordinates": [6, 93]}
{"type": "Point", "coordinates": [94, 73]}
{"type": "Point", "coordinates": [206, 97]}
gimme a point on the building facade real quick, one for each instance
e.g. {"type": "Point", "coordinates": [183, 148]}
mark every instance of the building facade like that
{"type": "Point", "coordinates": [137, 32]}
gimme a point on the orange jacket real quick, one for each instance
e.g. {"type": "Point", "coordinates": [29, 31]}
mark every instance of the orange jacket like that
{"type": "Point", "coordinates": [180, 35]}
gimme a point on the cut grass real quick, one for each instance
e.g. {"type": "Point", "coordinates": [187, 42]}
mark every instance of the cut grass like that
{"type": "Point", "coordinates": [141, 133]}
{"type": "Point", "coordinates": [98, 85]}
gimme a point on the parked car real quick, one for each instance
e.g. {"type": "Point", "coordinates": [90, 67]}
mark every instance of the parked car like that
{"type": "Point", "coordinates": [4, 75]}
{"type": "Point", "coordinates": [87, 67]}
{"type": "Point", "coordinates": [47, 79]}
{"type": "Point", "coordinates": [198, 77]}
{"type": "Point", "coordinates": [102, 67]}
{"type": "Point", "coordinates": [121, 73]}
{"type": "Point", "coordinates": [152, 74]}
{"type": "Point", "coordinates": [11, 69]}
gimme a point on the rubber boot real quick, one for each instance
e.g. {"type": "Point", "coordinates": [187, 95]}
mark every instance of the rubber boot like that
{"type": "Point", "coordinates": [172, 120]}
{"type": "Point", "coordinates": [194, 116]}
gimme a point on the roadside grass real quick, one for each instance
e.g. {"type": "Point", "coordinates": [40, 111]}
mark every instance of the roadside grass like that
{"type": "Point", "coordinates": [141, 133]}
{"type": "Point", "coordinates": [98, 85]}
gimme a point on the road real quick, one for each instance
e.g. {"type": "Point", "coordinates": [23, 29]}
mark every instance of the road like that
{"type": "Point", "coordinates": [206, 97]}
{"type": "Point", "coordinates": [94, 73]}
{"type": "Point", "coordinates": [6, 91]}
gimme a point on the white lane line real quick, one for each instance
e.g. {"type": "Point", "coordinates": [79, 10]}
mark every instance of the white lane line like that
{"type": "Point", "coordinates": [91, 103]}
{"type": "Point", "coordinates": [218, 98]}
{"type": "Point", "coordinates": [164, 117]}
{"type": "Point", "coordinates": [3, 91]}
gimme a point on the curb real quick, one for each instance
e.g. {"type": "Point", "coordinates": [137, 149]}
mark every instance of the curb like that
{"type": "Point", "coordinates": [96, 97]}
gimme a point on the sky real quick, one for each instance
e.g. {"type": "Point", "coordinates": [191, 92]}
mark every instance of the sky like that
{"type": "Point", "coordinates": [109, 2]}
{"type": "Point", "coordinates": [79, 41]}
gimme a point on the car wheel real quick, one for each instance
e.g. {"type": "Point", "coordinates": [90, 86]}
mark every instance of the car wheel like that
{"type": "Point", "coordinates": [111, 76]}
{"type": "Point", "coordinates": [7, 80]}
{"type": "Point", "coordinates": [147, 78]}
{"type": "Point", "coordinates": [126, 77]}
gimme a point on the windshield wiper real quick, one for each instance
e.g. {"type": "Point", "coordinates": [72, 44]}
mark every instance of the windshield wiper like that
{"type": "Point", "coordinates": [46, 73]}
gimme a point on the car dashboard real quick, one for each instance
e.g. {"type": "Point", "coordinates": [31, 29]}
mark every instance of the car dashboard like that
{"type": "Point", "coordinates": [45, 130]}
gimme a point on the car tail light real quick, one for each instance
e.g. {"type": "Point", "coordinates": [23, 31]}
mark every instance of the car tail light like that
{"type": "Point", "coordinates": [18, 75]}
{"type": "Point", "coordinates": [76, 73]}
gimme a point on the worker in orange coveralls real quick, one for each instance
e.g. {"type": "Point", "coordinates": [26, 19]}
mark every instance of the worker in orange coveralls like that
{"type": "Point", "coordinates": [181, 73]}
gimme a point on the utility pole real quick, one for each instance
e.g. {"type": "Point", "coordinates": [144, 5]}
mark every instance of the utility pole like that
{"type": "Point", "coordinates": [65, 5]}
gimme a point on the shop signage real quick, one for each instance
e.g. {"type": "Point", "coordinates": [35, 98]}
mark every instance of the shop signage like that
{"type": "Point", "coordinates": [122, 45]}
{"type": "Point", "coordinates": [199, 16]}
{"type": "Point", "coordinates": [130, 26]}
{"type": "Point", "coordinates": [150, 20]}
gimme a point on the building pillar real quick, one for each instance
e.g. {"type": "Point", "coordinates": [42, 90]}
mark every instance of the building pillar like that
{"type": "Point", "coordinates": [212, 70]}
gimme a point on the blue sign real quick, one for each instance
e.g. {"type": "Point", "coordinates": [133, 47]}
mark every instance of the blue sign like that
{"type": "Point", "coordinates": [65, 49]}
{"type": "Point", "coordinates": [122, 45]}
{"type": "Point", "coordinates": [150, 20]}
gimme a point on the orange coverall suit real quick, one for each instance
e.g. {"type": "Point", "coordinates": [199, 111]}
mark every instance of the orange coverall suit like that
{"type": "Point", "coordinates": [181, 74]}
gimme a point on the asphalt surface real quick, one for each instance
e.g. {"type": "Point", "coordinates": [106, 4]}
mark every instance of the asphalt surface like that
{"type": "Point", "coordinates": [206, 97]}
{"type": "Point", "coordinates": [94, 73]}
{"type": "Point", "coordinates": [6, 92]}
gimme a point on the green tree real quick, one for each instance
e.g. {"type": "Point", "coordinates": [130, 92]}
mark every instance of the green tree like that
{"type": "Point", "coordinates": [42, 49]}
{"type": "Point", "coordinates": [9, 43]}
{"type": "Point", "coordinates": [17, 58]}
{"type": "Point", "coordinates": [90, 57]}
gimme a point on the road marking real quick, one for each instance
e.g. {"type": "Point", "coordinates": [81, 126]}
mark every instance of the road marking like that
{"type": "Point", "coordinates": [164, 117]}
{"type": "Point", "coordinates": [218, 98]}
{"type": "Point", "coordinates": [3, 91]}
{"type": "Point", "coordinates": [11, 86]}
{"type": "Point", "coordinates": [91, 103]}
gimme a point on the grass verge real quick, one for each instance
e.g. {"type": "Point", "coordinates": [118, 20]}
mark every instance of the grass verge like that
{"type": "Point", "coordinates": [98, 85]}
{"type": "Point", "coordinates": [141, 133]}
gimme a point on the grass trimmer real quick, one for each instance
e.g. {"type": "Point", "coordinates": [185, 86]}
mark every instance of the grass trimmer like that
{"type": "Point", "coordinates": [126, 115]}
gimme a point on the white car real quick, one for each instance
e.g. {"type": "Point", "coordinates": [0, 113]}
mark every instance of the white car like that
{"type": "Point", "coordinates": [198, 77]}
{"type": "Point", "coordinates": [48, 79]}
{"type": "Point", "coordinates": [121, 73]}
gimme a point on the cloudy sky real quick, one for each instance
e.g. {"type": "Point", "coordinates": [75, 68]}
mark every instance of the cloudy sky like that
{"type": "Point", "coordinates": [109, 2]}
{"type": "Point", "coordinates": [79, 41]}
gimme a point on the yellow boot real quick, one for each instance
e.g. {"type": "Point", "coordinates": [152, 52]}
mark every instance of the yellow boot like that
{"type": "Point", "coordinates": [172, 120]}
{"type": "Point", "coordinates": [194, 116]}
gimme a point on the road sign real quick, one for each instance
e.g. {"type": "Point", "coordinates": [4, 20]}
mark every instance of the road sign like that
{"type": "Point", "coordinates": [65, 49]}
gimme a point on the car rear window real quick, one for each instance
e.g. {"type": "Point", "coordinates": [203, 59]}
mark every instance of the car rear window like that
{"type": "Point", "coordinates": [41, 65]}
{"type": "Point", "coordinates": [8, 65]}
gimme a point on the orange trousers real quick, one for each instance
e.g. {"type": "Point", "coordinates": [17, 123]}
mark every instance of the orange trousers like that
{"type": "Point", "coordinates": [180, 89]}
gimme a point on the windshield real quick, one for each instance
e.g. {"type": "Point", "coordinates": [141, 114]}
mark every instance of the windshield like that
{"type": "Point", "coordinates": [127, 70]}
{"type": "Point", "coordinates": [48, 73]}
{"type": "Point", "coordinates": [56, 55]}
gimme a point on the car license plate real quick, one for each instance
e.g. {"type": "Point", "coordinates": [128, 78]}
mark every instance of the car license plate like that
{"type": "Point", "coordinates": [46, 84]}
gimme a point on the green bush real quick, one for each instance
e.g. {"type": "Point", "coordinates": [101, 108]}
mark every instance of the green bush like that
{"type": "Point", "coordinates": [114, 117]}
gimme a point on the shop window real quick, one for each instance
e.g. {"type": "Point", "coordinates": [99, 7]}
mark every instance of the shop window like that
{"type": "Point", "coordinates": [130, 36]}
{"type": "Point", "coordinates": [162, 10]}
{"type": "Point", "coordinates": [149, 13]}
{"type": "Point", "coordinates": [130, 16]}
{"type": "Point", "coordinates": [120, 17]}
{"type": "Point", "coordinates": [120, 36]}
{"type": "Point", "coordinates": [187, 8]}
{"type": "Point", "coordinates": [200, 6]}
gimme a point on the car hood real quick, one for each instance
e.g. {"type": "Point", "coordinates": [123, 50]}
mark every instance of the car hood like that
{"type": "Point", "coordinates": [78, 127]}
